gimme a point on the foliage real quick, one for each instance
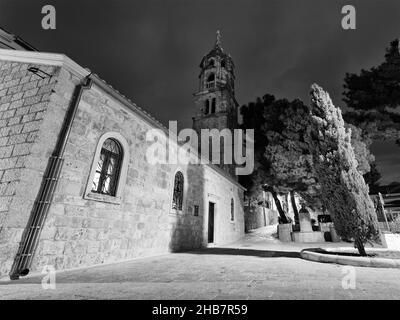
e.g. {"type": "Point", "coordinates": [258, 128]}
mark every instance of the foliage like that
{"type": "Point", "coordinates": [343, 190]}
{"type": "Point", "coordinates": [373, 95]}
{"type": "Point", "coordinates": [282, 160]}
{"type": "Point", "coordinates": [282, 157]}
{"type": "Point", "coordinates": [378, 87]}
{"type": "Point", "coordinates": [371, 178]}
{"type": "Point", "coordinates": [361, 145]}
{"type": "Point", "coordinates": [395, 225]}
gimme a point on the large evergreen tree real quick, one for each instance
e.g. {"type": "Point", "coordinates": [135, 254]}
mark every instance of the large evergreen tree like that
{"type": "Point", "coordinates": [343, 190]}
{"type": "Point", "coordinates": [283, 162]}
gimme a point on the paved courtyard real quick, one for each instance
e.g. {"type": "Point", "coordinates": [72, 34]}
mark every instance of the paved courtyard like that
{"type": "Point", "coordinates": [258, 267]}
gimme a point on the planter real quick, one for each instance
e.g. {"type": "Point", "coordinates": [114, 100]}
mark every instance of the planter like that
{"type": "Point", "coordinates": [285, 232]}
{"type": "Point", "coordinates": [390, 240]}
{"type": "Point", "coordinates": [334, 236]}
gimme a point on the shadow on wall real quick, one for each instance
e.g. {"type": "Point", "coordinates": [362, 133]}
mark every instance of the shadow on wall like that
{"type": "Point", "coordinates": [188, 224]}
{"type": "Point", "coordinates": [249, 252]}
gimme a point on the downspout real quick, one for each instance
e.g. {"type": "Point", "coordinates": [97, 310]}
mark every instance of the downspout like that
{"type": "Point", "coordinates": [30, 240]}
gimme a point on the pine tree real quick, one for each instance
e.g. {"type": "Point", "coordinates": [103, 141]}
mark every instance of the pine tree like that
{"type": "Point", "coordinates": [377, 88]}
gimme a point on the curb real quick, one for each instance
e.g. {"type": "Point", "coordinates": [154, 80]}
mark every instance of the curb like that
{"type": "Point", "coordinates": [352, 261]}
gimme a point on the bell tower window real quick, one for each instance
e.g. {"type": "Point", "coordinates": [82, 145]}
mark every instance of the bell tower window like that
{"type": "Point", "coordinates": [207, 107]}
{"type": "Point", "coordinates": [211, 77]}
{"type": "Point", "coordinates": [213, 104]}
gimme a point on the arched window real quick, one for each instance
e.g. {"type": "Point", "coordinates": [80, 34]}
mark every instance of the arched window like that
{"type": "Point", "coordinates": [177, 199]}
{"type": "Point", "coordinates": [213, 103]}
{"type": "Point", "coordinates": [207, 107]}
{"type": "Point", "coordinates": [223, 64]}
{"type": "Point", "coordinates": [211, 63]}
{"type": "Point", "coordinates": [232, 210]}
{"type": "Point", "coordinates": [108, 168]}
{"type": "Point", "coordinates": [211, 77]}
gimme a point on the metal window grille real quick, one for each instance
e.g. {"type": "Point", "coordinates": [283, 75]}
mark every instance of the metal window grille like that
{"type": "Point", "coordinates": [108, 168]}
{"type": "Point", "coordinates": [178, 191]}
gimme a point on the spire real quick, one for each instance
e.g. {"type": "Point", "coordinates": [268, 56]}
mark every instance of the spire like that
{"type": "Point", "coordinates": [218, 39]}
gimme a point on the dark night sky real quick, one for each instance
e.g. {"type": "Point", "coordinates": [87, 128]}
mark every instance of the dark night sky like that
{"type": "Point", "coordinates": [150, 50]}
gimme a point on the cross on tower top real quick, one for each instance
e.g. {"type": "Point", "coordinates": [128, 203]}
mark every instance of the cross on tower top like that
{"type": "Point", "coordinates": [218, 38]}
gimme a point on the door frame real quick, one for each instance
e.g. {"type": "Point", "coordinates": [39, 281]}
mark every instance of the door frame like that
{"type": "Point", "coordinates": [208, 221]}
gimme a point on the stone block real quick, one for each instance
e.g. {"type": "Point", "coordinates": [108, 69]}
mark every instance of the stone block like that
{"type": "Point", "coordinates": [284, 232]}
{"type": "Point", "coordinates": [16, 104]}
{"type": "Point", "coordinates": [8, 114]}
{"type": "Point", "coordinates": [31, 126]}
{"type": "Point", "coordinates": [14, 129]}
{"type": "Point", "coordinates": [5, 151]}
{"type": "Point", "coordinates": [21, 149]}
{"type": "Point", "coordinates": [308, 237]}
{"type": "Point", "coordinates": [22, 111]}
{"type": "Point", "coordinates": [4, 106]}
{"type": "Point", "coordinates": [32, 100]}
{"type": "Point", "coordinates": [17, 96]}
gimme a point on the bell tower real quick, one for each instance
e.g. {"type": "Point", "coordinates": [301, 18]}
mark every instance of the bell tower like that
{"type": "Point", "coordinates": [216, 106]}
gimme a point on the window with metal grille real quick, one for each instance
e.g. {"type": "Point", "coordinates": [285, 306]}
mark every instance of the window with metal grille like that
{"type": "Point", "coordinates": [232, 210]}
{"type": "Point", "coordinates": [177, 199]}
{"type": "Point", "coordinates": [108, 168]}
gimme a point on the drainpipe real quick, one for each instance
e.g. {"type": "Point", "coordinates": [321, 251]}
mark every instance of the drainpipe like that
{"type": "Point", "coordinates": [31, 236]}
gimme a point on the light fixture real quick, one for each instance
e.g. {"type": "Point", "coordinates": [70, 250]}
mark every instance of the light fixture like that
{"type": "Point", "coordinates": [40, 73]}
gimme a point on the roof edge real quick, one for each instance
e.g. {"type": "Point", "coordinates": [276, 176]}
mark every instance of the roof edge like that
{"type": "Point", "coordinates": [44, 58]}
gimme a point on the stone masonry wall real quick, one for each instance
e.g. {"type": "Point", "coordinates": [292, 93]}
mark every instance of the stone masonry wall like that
{"type": "Point", "coordinates": [25, 143]}
{"type": "Point", "coordinates": [82, 232]}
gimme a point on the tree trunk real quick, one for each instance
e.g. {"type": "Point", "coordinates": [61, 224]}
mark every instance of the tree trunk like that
{"type": "Point", "coordinates": [360, 247]}
{"type": "Point", "coordinates": [278, 205]}
{"type": "Point", "coordinates": [296, 212]}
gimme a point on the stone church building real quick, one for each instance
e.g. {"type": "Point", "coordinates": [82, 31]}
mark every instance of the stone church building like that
{"type": "Point", "coordinates": [75, 186]}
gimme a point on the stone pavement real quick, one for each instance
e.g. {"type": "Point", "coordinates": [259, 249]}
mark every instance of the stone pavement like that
{"type": "Point", "coordinates": [258, 267]}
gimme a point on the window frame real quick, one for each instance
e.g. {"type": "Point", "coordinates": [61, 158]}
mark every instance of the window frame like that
{"type": "Point", "coordinates": [184, 193]}
{"type": "Point", "coordinates": [213, 105]}
{"type": "Point", "coordinates": [179, 206]}
{"type": "Point", "coordinates": [210, 77]}
{"type": "Point", "coordinates": [114, 177]}
{"type": "Point", "coordinates": [123, 168]}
